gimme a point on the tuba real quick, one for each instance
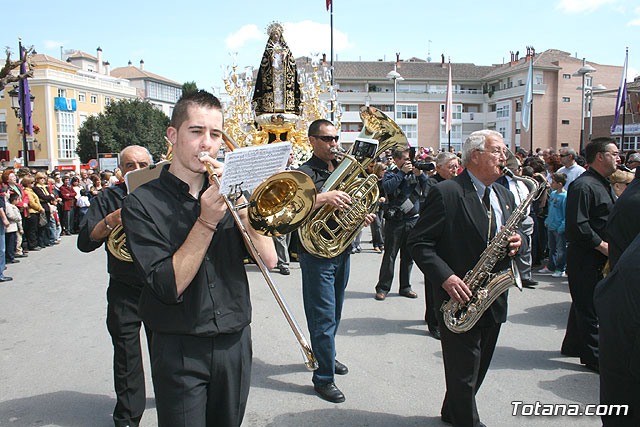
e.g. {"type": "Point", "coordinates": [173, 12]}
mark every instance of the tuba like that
{"type": "Point", "coordinates": [486, 286]}
{"type": "Point", "coordinates": [331, 230]}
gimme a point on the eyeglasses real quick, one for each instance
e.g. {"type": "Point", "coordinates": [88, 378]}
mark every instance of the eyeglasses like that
{"type": "Point", "coordinates": [613, 153]}
{"type": "Point", "coordinates": [565, 155]}
{"type": "Point", "coordinates": [495, 152]}
{"type": "Point", "coordinates": [326, 138]}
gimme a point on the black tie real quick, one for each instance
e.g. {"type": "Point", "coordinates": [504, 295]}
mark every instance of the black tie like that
{"type": "Point", "coordinates": [486, 201]}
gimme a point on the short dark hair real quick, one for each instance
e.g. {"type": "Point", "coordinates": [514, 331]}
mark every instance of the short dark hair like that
{"type": "Point", "coordinates": [314, 127]}
{"type": "Point", "coordinates": [598, 145]}
{"type": "Point", "coordinates": [201, 98]}
{"type": "Point", "coordinates": [559, 177]}
{"type": "Point", "coordinates": [12, 197]}
{"type": "Point", "coordinates": [397, 153]}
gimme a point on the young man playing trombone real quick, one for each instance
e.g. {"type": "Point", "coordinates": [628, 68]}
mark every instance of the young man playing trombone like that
{"type": "Point", "coordinates": [189, 251]}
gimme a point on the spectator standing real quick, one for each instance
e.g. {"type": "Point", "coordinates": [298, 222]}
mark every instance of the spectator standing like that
{"type": "Point", "coordinates": [31, 225]}
{"type": "Point", "coordinates": [555, 224]}
{"type": "Point", "coordinates": [570, 167]}
{"type": "Point", "coordinates": [68, 196]}
{"type": "Point", "coordinates": [45, 235]}
{"type": "Point", "coordinates": [22, 204]}
{"type": "Point", "coordinates": [15, 227]}
{"type": "Point", "coordinates": [4, 224]}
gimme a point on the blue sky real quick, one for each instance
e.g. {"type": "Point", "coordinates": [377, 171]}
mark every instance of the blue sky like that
{"type": "Point", "coordinates": [191, 39]}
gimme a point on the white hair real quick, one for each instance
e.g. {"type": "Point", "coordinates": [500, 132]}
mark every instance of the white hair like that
{"type": "Point", "coordinates": [444, 157]}
{"type": "Point", "coordinates": [476, 141]}
{"type": "Point", "coordinates": [134, 146]}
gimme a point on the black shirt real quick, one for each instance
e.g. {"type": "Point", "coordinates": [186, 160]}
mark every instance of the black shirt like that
{"type": "Point", "coordinates": [157, 218]}
{"type": "Point", "coordinates": [589, 201]}
{"type": "Point", "coordinates": [108, 200]}
{"type": "Point", "coordinates": [318, 171]}
{"type": "Point", "coordinates": [623, 225]}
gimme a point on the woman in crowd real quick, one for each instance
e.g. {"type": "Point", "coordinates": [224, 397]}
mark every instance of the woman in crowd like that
{"type": "Point", "coordinates": [96, 186]}
{"type": "Point", "coordinates": [35, 208]}
{"type": "Point", "coordinates": [619, 181]}
{"type": "Point", "coordinates": [10, 180]}
{"type": "Point", "coordinates": [42, 190]}
{"type": "Point", "coordinates": [68, 196]}
{"type": "Point", "coordinates": [73, 221]}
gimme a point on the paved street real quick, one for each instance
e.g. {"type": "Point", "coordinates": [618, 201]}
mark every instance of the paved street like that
{"type": "Point", "coordinates": [55, 352]}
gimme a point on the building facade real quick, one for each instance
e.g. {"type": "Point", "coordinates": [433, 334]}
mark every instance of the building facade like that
{"type": "Point", "coordinates": [483, 97]}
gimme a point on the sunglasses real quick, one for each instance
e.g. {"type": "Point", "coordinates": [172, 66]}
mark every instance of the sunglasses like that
{"type": "Point", "coordinates": [565, 155]}
{"type": "Point", "coordinates": [326, 138]}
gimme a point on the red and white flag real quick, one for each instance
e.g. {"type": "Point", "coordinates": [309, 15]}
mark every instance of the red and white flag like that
{"type": "Point", "coordinates": [328, 4]}
{"type": "Point", "coordinates": [448, 106]}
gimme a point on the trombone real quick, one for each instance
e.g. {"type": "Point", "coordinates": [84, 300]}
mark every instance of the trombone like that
{"type": "Point", "coordinates": [278, 206]}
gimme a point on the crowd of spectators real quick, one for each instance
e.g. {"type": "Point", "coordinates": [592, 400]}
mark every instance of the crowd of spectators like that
{"type": "Point", "coordinates": [38, 208]}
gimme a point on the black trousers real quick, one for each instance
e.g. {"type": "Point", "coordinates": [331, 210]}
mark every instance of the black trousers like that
{"type": "Point", "coordinates": [124, 324]}
{"type": "Point", "coordinates": [430, 307]}
{"type": "Point", "coordinates": [396, 233]}
{"type": "Point", "coordinates": [584, 268]}
{"type": "Point", "coordinates": [31, 230]}
{"type": "Point", "coordinates": [11, 241]}
{"type": "Point", "coordinates": [201, 381]}
{"type": "Point", "coordinates": [466, 360]}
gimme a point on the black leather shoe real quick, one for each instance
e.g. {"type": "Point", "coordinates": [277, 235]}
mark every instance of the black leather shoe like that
{"type": "Point", "coordinates": [435, 332]}
{"type": "Point", "coordinates": [329, 392]}
{"type": "Point", "coordinates": [528, 283]}
{"type": "Point", "coordinates": [341, 368]}
{"type": "Point", "coordinates": [409, 294]}
{"type": "Point", "coordinates": [5, 279]}
{"type": "Point", "coordinates": [284, 270]}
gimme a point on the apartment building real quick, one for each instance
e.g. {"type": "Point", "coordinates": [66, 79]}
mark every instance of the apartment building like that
{"type": "Point", "coordinates": [65, 94]}
{"type": "Point", "coordinates": [160, 91]}
{"type": "Point", "coordinates": [483, 97]}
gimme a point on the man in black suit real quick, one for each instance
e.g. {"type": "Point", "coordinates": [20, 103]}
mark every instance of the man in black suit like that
{"type": "Point", "coordinates": [464, 214]}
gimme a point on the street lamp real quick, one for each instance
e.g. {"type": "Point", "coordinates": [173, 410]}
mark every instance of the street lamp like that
{"type": "Point", "coordinates": [16, 103]}
{"type": "Point", "coordinates": [588, 93]}
{"type": "Point", "coordinates": [395, 76]}
{"type": "Point", "coordinates": [582, 72]}
{"type": "Point", "coordinates": [96, 138]}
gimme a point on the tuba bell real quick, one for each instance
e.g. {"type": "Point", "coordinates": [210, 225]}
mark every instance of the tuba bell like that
{"type": "Point", "coordinates": [331, 230]}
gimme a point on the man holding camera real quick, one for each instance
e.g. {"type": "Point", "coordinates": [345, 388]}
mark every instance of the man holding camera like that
{"type": "Point", "coordinates": [403, 187]}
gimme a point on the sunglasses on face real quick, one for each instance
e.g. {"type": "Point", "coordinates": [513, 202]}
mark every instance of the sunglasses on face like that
{"type": "Point", "coordinates": [326, 138]}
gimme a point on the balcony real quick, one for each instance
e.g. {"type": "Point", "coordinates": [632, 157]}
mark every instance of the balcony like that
{"type": "Point", "coordinates": [4, 155]}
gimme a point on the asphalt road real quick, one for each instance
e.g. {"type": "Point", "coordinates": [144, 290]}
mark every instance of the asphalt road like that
{"type": "Point", "coordinates": [55, 352]}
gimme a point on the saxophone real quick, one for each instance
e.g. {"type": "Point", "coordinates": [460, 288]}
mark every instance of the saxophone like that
{"type": "Point", "coordinates": [486, 286]}
{"type": "Point", "coordinates": [331, 231]}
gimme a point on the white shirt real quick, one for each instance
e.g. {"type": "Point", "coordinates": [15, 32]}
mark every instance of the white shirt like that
{"type": "Point", "coordinates": [572, 172]}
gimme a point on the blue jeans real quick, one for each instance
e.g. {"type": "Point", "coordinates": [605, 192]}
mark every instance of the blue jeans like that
{"type": "Point", "coordinates": [323, 285]}
{"type": "Point", "coordinates": [557, 251]}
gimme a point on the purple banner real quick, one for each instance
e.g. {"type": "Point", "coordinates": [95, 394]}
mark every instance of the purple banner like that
{"type": "Point", "coordinates": [25, 96]}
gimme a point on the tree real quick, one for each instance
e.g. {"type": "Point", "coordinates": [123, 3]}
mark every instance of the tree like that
{"type": "Point", "coordinates": [124, 123]}
{"type": "Point", "coordinates": [189, 87]}
{"type": "Point", "coordinates": [5, 72]}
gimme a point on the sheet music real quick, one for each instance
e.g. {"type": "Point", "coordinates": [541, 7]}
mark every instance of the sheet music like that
{"type": "Point", "coordinates": [136, 178]}
{"type": "Point", "coordinates": [250, 166]}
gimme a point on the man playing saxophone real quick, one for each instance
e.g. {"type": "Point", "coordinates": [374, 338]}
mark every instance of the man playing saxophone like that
{"type": "Point", "coordinates": [123, 293]}
{"type": "Point", "coordinates": [464, 214]}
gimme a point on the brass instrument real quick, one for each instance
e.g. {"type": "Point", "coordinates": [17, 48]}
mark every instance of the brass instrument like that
{"type": "Point", "coordinates": [331, 230]}
{"type": "Point", "coordinates": [486, 286]}
{"type": "Point", "coordinates": [278, 206]}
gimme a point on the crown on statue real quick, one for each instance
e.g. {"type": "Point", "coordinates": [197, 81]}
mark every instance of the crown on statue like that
{"type": "Point", "coordinates": [275, 27]}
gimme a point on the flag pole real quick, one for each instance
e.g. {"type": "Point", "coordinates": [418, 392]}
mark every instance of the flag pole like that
{"type": "Point", "coordinates": [23, 111]}
{"type": "Point", "coordinates": [332, 69]}
{"type": "Point", "coordinates": [624, 104]}
{"type": "Point", "coordinates": [531, 145]}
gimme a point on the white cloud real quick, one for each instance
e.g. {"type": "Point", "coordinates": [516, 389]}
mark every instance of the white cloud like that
{"type": "Point", "coordinates": [54, 44]}
{"type": "Point", "coordinates": [578, 6]}
{"type": "Point", "coordinates": [244, 34]}
{"type": "Point", "coordinates": [634, 23]}
{"type": "Point", "coordinates": [307, 37]}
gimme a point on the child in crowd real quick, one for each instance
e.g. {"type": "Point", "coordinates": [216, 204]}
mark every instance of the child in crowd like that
{"type": "Point", "coordinates": [83, 205]}
{"type": "Point", "coordinates": [555, 223]}
{"type": "Point", "coordinates": [15, 227]}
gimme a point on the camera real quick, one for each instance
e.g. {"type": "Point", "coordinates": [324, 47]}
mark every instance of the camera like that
{"type": "Point", "coordinates": [420, 164]}
{"type": "Point", "coordinates": [364, 148]}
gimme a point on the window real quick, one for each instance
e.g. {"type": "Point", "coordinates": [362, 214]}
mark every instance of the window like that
{"type": "Point", "coordinates": [82, 97]}
{"type": "Point", "coordinates": [456, 112]}
{"type": "Point", "coordinates": [94, 98]}
{"type": "Point", "coordinates": [66, 134]}
{"type": "Point", "coordinates": [503, 111]}
{"type": "Point", "coordinates": [163, 92]}
{"type": "Point", "coordinates": [518, 131]}
{"type": "Point", "coordinates": [631, 143]}
{"type": "Point", "coordinates": [407, 112]}
{"type": "Point", "coordinates": [456, 137]}
{"type": "Point", "coordinates": [351, 127]}
{"type": "Point", "coordinates": [566, 99]}
{"type": "Point", "coordinates": [588, 81]}
{"type": "Point", "coordinates": [384, 108]}
{"type": "Point", "coordinates": [62, 93]}
{"type": "Point", "coordinates": [518, 106]}
{"type": "Point", "coordinates": [3, 123]}
{"type": "Point", "coordinates": [539, 80]}
{"type": "Point", "coordinates": [503, 131]}
{"type": "Point", "coordinates": [410, 131]}
{"type": "Point", "coordinates": [565, 122]}
{"type": "Point", "coordinates": [91, 68]}
{"type": "Point", "coordinates": [566, 76]}
{"type": "Point", "coordinates": [107, 100]}
{"type": "Point", "coordinates": [520, 82]}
